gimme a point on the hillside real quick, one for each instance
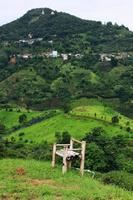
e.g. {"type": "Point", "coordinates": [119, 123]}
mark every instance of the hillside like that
{"type": "Point", "coordinates": [46, 23]}
{"type": "Point", "coordinates": [91, 60]}
{"type": "Point", "coordinates": [109, 147]}
{"type": "Point", "coordinates": [62, 77]}
{"type": "Point", "coordinates": [37, 180]}
{"type": "Point", "coordinates": [25, 83]}
{"type": "Point", "coordinates": [10, 117]}
{"type": "Point", "coordinates": [78, 122]}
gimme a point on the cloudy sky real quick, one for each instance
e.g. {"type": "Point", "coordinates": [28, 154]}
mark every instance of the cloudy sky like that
{"type": "Point", "coordinates": [119, 11]}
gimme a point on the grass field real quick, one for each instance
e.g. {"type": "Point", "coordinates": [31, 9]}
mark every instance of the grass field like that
{"type": "Point", "coordinates": [11, 118]}
{"type": "Point", "coordinates": [78, 128]}
{"type": "Point", "coordinates": [79, 121]}
{"type": "Point", "coordinates": [33, 180]}
{"type": "Point", "coordinates": [96, 109]}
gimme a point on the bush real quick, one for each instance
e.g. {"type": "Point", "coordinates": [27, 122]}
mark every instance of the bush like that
{"type": "Point", "coordinates": [119, 178]}
{"type": "Point", "coordinates": [95, 157]}
{"type": "Point", "coordinates": [128, 129]}
{"type": "Point", "coordinates": [107, 149]}
{"type": "Point", "coordinates": [22, 118]}
{"type": "Point", "coordinates": [115, 120]}
{"type": "Point", "coordinates": [2, 128]}
{"type": "Point", "coordinates": [63, 138]}
{"type": "Point", "coordinates": [21, 134]}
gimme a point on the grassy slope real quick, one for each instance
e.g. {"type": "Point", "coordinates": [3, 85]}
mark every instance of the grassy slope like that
{"type": "Point", "coordinates": [76, 127]}
{"type": "Point", "coordinates": [79, 122]}
{"type": "Point", "coordinates": [10, 118]}
{"type": "Point", "coordinates": [40, 182]}
{"type": "Point", "coordinates": [88, 108]}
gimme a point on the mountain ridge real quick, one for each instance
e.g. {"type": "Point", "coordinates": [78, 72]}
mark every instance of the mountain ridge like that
{"type": "Point", "coordinates": [50, 18]}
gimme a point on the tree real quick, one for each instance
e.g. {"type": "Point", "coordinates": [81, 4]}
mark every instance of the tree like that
{"type": "Point", "coordinates": [22, 118]}
{"type": "Point", "coordinates": [3, 58]}
{"type": "Point", "coordinates": [65, 137]}
{"type": "Point", "coordinates": [95, 158]}
{"type": "Point", "coordinates": [2, 148]}
{"type": "Point", "coordinates": [115, 119]}
{"type": "Point", "coordinates": [58, 136]}
{"type": "Point", "coordinates": [122, 92]}
{"type": "Point", "coordinates": [97, 135]}
{"type": "Point", "coordinates": [2, 128]}
{"type": "Point", "coordinates": [106, 147]}
{"type": "Point", "coordinates": [60, 88]}
{"type": "Point", "coordinates": [66, 106]}
{"type": "Point", "coordinates": [114, 62]}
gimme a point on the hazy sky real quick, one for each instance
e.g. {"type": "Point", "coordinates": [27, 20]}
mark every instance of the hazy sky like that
{"type": "Point", "coordinates": [120, 11]}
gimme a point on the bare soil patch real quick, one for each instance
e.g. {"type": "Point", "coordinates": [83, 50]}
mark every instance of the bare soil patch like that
{"type": "Point", "coordinates": [37, 182]}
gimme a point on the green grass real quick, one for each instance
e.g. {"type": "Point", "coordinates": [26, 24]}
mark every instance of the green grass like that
{"type": "Point", "coordinates": [88, 108]}
{"type": "Point", "coordinates": [78, 122]}
{"type": "Point", "coordinates": [40, 182]}
{"type": "Point", "coordinates": [45, 130]}
{"type": "Point", "coordinates": [11, 118]}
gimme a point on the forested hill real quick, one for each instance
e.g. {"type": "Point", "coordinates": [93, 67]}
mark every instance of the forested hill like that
{"type": "Point", "coordinates": [91, 60]}
{"type": "Point", "coordinates": [47, 23]}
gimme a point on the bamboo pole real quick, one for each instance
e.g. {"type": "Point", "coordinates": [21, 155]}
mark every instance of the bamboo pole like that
{"type": "Point", "coordinates": [71, 144]}
{"type": "Point", "coordinates": [74, 140]}
{"type": "Point", "coordinates": [69, 164]}
{"type": "Point", "coordinates": [62, 145]}
{"type": "Point", "coordinates": [64, 167]}
{"type": "Point", "coordinates": [83, 146]}
{"type": "Point", "coordinates": [54, 155]}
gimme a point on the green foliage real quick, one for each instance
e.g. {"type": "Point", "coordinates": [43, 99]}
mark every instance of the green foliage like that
{"type": "Point", "coordinates": [44, 83]}
{"type": "Point", "coordinates": [112, 151]}
{"type": "Point", "coordinates": [3, 59]}
{"type": "Point", "coordinates": [62, 138]}
{"type": "Point", "coordinates": [24, 149]}
{"type": "Point", "coordinates": [95, 157]}
{"type": "Point", "coordinates": [10, 118]}
{"type": "Point", "coordinates": [119, 178]}
{"type": "Point", "coordinates": [2, 128]}
{"type": "Point", "coordinates": [114, 62]}
{"type": "Point", "coordinates": [97, 109]}
{"type": "Point", "coordinates": [115, 119]}
{"type": "Point", "coordinates": [40, 82]}
{"type": "Point", "coordinates": [78, 127]}
{"type": "Point", "coordinates": [22, 118]}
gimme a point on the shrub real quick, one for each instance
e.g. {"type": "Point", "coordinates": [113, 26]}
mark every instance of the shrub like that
{"type": "Point", "coordinates": [128, 129]}
{"type": "Point", "coordinates": [128, 123]}
{"type": "Point", "coordinates": [95, 157]}
{"type": "Point", "coordinates": [65, 137]}
{"type": "Point", "coordinates": [119, 178]}
{"type": "Point", "coordinates": [58, 136]}
{"type": "Point", "coordinates": [21, 134]}
{"type": "Point", "coordinates": [2, 128]}
{"type": "Point", "coordinates": [22, 118]}
{"type": "Point", "coordinates": [115, 119]}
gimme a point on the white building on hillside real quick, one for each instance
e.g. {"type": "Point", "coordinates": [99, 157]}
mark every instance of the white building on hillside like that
{"type": "Point", "coordinates": [52, 13]}
{"type": "Point", "coordinates": [43, 12]}
{"type": "Point", "coordinates": [64, 56]}
{"type": "Point", "coordinates": [54, 54]}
